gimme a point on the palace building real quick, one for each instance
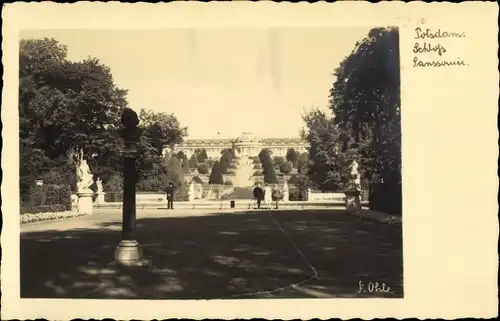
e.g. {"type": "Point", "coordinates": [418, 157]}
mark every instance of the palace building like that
{"type": "Point", "coordinates": [244, 145]}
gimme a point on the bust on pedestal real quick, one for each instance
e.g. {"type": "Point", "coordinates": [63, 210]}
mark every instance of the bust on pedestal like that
{"type": "Point", "coordinates": [84, 193]}
{"type": "Point", "coordinates": [353, 193]}
{"type": "Point", "coordinates": [128, 253]}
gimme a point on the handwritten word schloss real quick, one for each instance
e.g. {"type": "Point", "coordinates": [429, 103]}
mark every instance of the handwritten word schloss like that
{"type": "Point", "coordinates": [430, 48]}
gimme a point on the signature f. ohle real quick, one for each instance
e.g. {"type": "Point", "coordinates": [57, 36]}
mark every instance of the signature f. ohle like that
{"type": "Point", "coordinates": [373, 287]}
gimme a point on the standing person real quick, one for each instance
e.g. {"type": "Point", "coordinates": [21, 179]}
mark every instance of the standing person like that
{"type": "Point", "coordinates": [277, 195]}
{"type": "Point", "coordinates": [258, 193]}
{"type": "Point", "coordinates": [170, 196]}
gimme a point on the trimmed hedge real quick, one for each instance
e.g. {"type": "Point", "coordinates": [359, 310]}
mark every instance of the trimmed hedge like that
{"type": "Point", "coordinates": [48, 195]}
{"type": "Point", "coordinates": [44, 208]}
{"type": "Point", "coordinates": [203, 168]}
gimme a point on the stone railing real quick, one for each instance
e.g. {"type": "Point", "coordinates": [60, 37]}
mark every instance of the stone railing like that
{"type": "Point", "coordinates": [315, 196]}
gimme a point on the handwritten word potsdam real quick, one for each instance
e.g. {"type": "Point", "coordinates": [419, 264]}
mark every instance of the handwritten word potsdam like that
{"type": "Point", "coordinates": [433, 34]}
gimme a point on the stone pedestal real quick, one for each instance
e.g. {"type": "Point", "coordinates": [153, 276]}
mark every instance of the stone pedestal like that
{"type": "Point", "coordinates": [129, 254]}
{"type": "Point", "coordinates": [100, 198]}
{"type": "Point", "coordinates": [286, 196]}
{"type": "Point", "coordinates": [353, 200]}
{"type": "Point", "coordinates": [85, 202]}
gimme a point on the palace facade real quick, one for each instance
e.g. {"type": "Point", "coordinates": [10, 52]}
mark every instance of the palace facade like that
{"type": "Point", "coordinates": [244, 145]}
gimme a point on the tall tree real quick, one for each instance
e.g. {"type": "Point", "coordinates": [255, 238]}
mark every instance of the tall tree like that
{"type": "Point", "coordinates": [175, 174]}
{"type": "Point", "coordinates": [225, 161]}
{"type": "Point", "coordinates": [67, 107]}
{"type": "Point", "coordinates": [365, 100]}
{"type": "Point", "coordinates": [216, 175]}
{"type": "Point", "coordinates": [161, 129]}
{"type": "Point", "coordinates": [292, 156]}
{"type": "Point", "coordinates": [326, 162]}
{"type": "Point", "coordinates": [185, 165]}
{"type": "Point", "coordinates": [193, 161]}
{"type": "Point", "coordinates": [268, 167]}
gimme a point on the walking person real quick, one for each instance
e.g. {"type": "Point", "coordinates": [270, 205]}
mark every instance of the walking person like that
{"type": "Point", "coordinates": [170, 196]}
{"type": "Point", "coordinates": [277, 195]}
{"type": "Point", "coordinates": [258, 193]}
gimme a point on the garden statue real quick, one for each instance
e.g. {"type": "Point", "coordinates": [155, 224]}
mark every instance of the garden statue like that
{"type": "Point", "coordinates": [286, 192]}
{"type": "Point", "coordinates": [84, 177]}
{"type": "Point", "coordinates": [268, 195]}
{"type": "Point", "coordinates": [100, 192]}
{"type": "Point", "coordinates": [355, 177]}
{"type": "Point", "coordinates": [191, 192]}
{"type": "Point", "coordinates": [99, 185]}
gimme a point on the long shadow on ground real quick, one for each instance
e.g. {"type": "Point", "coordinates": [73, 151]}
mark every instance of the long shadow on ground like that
{"type": "Point", "coordinates": [238, 255]}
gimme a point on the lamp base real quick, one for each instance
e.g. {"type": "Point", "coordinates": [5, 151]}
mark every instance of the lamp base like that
{"type": "Point", "coordinates": [129, 254]}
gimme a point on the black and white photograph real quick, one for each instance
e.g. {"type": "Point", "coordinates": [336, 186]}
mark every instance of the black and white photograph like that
{"type": "Point", "coordinates": [210, 164]}
{"type": "Point", "coordinates": [249, 160]}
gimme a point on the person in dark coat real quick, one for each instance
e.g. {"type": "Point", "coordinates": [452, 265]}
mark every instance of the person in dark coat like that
{"type": "Point", "coordinates": [258, 193]}
{"type": "Point", "coordinates": [170, 196]}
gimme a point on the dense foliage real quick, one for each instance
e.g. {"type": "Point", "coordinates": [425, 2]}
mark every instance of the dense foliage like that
{"type": "Point", "coordinates": [365, 123]}
{"type": "Point", "coordinates": [68, 107]}
{"type": "Point", "coordinates": [203, 168]}
{"type": "Point", "coordinates": [267, 167]}
{"type": "Point", "coordinates": [201, 155]}
{"type": "Point", "coordinates": [286, 167]}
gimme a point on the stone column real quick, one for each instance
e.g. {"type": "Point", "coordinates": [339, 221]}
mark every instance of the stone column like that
{"type": "Point", "coordinates": [128, 252]}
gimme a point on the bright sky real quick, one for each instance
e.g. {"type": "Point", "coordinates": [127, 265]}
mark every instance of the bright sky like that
{"type": "Point", "coordinates": [220, 80]}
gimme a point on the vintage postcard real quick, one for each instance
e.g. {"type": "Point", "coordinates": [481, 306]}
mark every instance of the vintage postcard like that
{"type": "Point", "coordinates": [249, 160]}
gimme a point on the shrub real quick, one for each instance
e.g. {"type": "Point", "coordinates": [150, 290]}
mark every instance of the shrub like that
{"type": "Point", "coordinates": [197, 179]}
{"type": "Point", "coordinates": [114, 183]}
{"type": "Point", "coordinates": [292, 156]}
{"type": "Point", "coordinates": [152, 184]}
{"type": "Point", "coordinates": [278, 160]}
{"type": "Point", "coordinates": [37, 196]}
{"type": "Point", "coordinates": [185, 165]}
{"type": "Point", "coordinates": [44, 209]}
{"type": "Point", "coordinates": [286, 167]}
{"type": "Point", "coordinates": [113, 197]}
{"type": "Point", "coordinates": [216, 175]}
{"type": "Point", "coordinates": [257, 166]}
{"type": "Point", "coordinates": [58, 194]}
{"type": "Point", "coordinates": [193, 162]}
{"type": "Point", "coordinates": [201, 155]}
{"type": "Point", "coordinates": [51, 195]}
{"type": "Point", "coordinates": [293, 180]}
{"type": "Point", "coordinates": [203, 168]}
{"type": "Point", "coordinates": [228, 183]}
{"type": "Point", "coordinates": [277, 194]}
